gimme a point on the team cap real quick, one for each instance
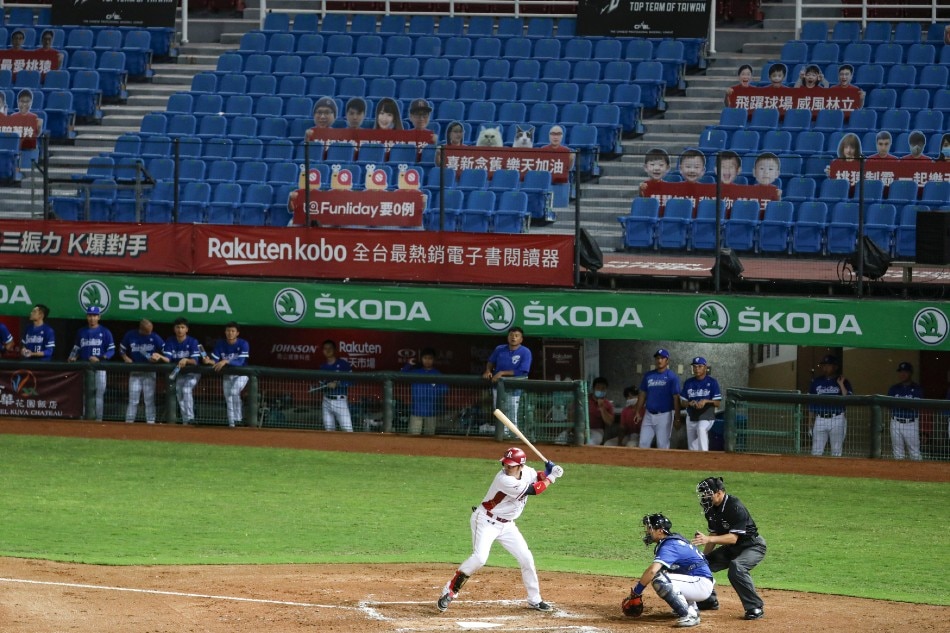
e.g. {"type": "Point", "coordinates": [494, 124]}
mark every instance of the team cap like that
{"type": "Point", "coordinates": [661, 353]}
{"type": "Point", "coordinates": [699, 360]}
{"type": "Point", "coordinates": [905, 366]}
{"type": "Point", "coordinates": [829, 360]}
{"type": "Point", "coordinates": [94, 310]}
{"type": "Point", "coordinates": [419, 105]}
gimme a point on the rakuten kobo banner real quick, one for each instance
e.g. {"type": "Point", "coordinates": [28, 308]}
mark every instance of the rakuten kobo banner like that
{"type": "Point", "coordinates": [542, 260]}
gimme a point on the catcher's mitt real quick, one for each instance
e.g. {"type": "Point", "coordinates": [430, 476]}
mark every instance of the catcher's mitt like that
{"type": "Point", "coordinates": [632, 605]}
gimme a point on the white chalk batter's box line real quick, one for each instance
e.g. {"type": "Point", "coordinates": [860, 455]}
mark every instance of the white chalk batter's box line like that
{"type": "Point", "coordinates": [369, 608]}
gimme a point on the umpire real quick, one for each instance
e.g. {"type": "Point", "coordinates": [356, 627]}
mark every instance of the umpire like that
{"type": "Point", "coordinates": [740, 548]}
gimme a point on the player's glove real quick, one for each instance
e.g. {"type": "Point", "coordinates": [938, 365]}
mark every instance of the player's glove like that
{"type": "Point", "coordinates": [632, 605]}
{"type": "Point", "coordinates": [548, 467]}
{"type": "Point", "coordinates": [556, 472]}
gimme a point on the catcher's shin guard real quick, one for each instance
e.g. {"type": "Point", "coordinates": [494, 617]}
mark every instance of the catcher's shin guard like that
{"type": "Point", "coordinates": [664, 588]}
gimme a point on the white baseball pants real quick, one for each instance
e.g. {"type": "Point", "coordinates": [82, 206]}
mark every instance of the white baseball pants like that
{"type": "Point", "coordinates": [232, 398]}
{"type": "Point", "coordinates": [336, 411]}
{"type": "Point", "coordinates": [829, 427]}
{"type": "Point", "coordinates": [141, 384]}
{"type": "Point", "coordinates": [658, 425]}
{"type": "Point", "coordinates": [693, 588]}
{"type": "Point", "coordinates": [100, 394]}
{"type": "Point", "coordinates": [185, 390]}
{"type": "Point", "coordinates": [485, 531]}
{"type": "Point", "coordinates": [905, 433]}
{"type": "Point", "coordinates": [697, 434]}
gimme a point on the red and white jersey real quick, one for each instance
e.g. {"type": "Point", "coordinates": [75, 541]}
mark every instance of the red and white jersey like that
{"type": "Point", "coordinates": [506, 496]}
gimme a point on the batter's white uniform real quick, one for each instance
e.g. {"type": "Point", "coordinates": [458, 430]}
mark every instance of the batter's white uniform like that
{"type": "Point", "coordinates": [494, 520]}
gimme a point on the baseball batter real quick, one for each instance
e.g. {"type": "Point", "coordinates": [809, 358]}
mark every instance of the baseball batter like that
{"type": "Point", "coordinates": [510, 360]}
{"type": "Point", "coordinates": [494, 520]}
{"type": "Point", "coordinates": [679, 573]}
{"type": "Point", "coordinates": [905, 423]}
{"type": "Point", "coordinates": [235, 352]}
{"type": "Point", "coordinates": [829, 421]}
{"type": "Point", "coordinates": [141, 346]}
{"type": "Point", "coordinates": [336, 409]}
{"type": "Point", "coordinates": [184, 351]}
{"type": "Point", "coordinates": [39, 340]}
{"type": "Point", "coordinates": [659, 390]}
{"type": "Point", "coordinates": [94, 344]}
{"type": "Point", "coordinates": [701, 395]}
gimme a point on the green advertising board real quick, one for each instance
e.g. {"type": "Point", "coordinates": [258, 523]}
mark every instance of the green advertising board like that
{"type": "Point", "coordinates": [565, 314]}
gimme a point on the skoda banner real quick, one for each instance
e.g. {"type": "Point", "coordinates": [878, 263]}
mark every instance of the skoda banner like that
{"type": "Point", "coordinates": [579, 315]}
{"type": "Point", "coordinates": [633, 18]}
{"type": "Point", "coordinates": [141, 13]}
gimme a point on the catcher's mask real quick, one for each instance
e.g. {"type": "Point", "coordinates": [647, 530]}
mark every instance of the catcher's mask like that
{"type": "Point", "coordinates": [706, 489]}
{"type": "Point", "coordinates": [655, 522]}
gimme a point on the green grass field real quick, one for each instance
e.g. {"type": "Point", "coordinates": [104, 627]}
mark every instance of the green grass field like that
{"type": "Point", "coordinates": [129, 503]}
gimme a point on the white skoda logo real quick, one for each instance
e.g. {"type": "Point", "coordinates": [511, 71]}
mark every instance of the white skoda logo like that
{"type": "Point", "coordinates": [712, 319]}
{"type": "Point", "coordinates": [94, 293]}
{"type": "Point", "coordinates": [930, 326]}
{"type": "Point", "coordinates": [289, 305]}
{"type": "Point", "coordinates": [498, 313]}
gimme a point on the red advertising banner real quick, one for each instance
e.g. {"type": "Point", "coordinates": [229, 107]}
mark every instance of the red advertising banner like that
{"type": "Point", "coordinates": [833, 98]}
{"type": "Point", "coordinates": [558, 162]}
{"type": "Point", "coordinates": [419, 138]}
{"type": "Point", "coordinates": [887, 170]}
{"type": "Point", "coordinates": [705, 191]}
{"type": "Point", "coordinates": [538, 260]}
{"type": "Point", "coordinates": [103, 247]}
{"type": "Point", "coordinates": [40, 60]}
{"type": "Point", "coordinates": [26, 393]}
{"type": "Point", "coordinates": [401, 208]}
{"type": "Point", "coordinates": [26, 125]}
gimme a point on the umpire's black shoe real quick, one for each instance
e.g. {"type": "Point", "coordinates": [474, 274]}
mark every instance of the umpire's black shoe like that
{"type": "Point", "coordinates": [754, 614]}
{"type": "Point", "coordinates": [709, 604]}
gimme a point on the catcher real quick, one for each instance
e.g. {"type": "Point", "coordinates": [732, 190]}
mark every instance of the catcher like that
{"type": "Point", "coordinates": [679, 573]}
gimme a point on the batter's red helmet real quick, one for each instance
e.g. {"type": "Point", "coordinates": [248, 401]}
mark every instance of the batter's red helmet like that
{"type": "Point", "coordinates": [514, 457]}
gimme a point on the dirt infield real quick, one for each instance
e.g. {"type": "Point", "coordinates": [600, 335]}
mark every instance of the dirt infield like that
{"type": "Point", "coordinates": [46, 597]}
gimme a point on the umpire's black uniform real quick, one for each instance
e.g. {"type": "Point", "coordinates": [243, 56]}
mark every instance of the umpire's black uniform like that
{"type": "Point", "coordinates": [731, 516]}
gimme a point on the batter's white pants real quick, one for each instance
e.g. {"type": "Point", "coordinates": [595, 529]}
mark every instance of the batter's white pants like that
{"type": "Point", "coordinates": [100, 394]}
{"type": "Point", "coordinates": [831, 427]}
{"type": "Point", "coordinates": [485, 531]}
{"type": "Point", "coordinates": [905, 433]}
{"type": "Point", "coordinates": [185, 390]}
{"type": "Point", "coordinates": [659, 425]}
{"type": "Point", "coordinates": [697, 434]}
{"type": "Point", "coordinates": [232, 398]}
{"type": "Point", "coordinates": [141, 384]}
{"type": "Point", "coordinates": [693, 588]}
{"type": "Point", "coordinates": [336, 411]}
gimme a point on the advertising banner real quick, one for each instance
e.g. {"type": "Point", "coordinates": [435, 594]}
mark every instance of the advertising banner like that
{"type": "Point", "coordinates": [887, 171]}
{"type": "Point", "coordinates": [90, 246]}
{"type": "Point", "coordinates": [389, 138]}
{"type": "Point", "coordinates": [400, 208]}
{"type": "Point", "coordinates": [577, 315]}
{"type": "Point", "coordinates": [643, 18]}
{"type": "Point", "coordinates": [39, 60]}
{"type": "Point", "coordinates": [696, 191]}
{"type": "Point", "coordinates": [27, 126]}
{"type": "Point", "coordinates": [41, 394]}
{"type": "Point", "coordinates": [558, 162]}
{"type": "Point", "coordinates": [766, 97]}
{"type": "Point", "coordinates": [115, 12]}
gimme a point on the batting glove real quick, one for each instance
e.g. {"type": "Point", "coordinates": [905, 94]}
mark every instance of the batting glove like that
{"type": "Point", "coordinates": [556, 472]}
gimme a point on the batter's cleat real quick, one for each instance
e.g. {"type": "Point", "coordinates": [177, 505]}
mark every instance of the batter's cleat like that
{"type": "Point", "coordinates": [445, 601]}
{"type": "Point", "coordinates": [541, 606]}
{"type": "Point", "coordinates": [709, 604]}
{"type": "Point", "coordinates": [754, 614]}
{"type": "Point", "coordinates": [690, 619]}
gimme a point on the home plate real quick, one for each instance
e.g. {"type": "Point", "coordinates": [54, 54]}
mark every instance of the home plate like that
{"type": "Point", "coordinates": [478, 625]}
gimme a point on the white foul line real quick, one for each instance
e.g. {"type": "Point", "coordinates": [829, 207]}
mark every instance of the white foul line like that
{"type": "Point", "coordinates": [158, 592]}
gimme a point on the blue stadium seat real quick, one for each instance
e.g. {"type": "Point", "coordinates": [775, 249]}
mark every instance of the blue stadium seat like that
{"type": "Point", "coordinates": [881, 99]}
{"type": "Point", "coordinates": [740, 229]}
{"type": "Point", "coordinates": [907, 33]}
{"type": "Point", "coordinates": [824, 53]}
{"type": "Point", "coordinates": [392, 25]}
{"type": "Point", "coordinates": [895, 121]}
{"type": "Point", "coordinates": [368, 46]}
{"type": "Point", "coordinates": [526, 70]}
{"type": "Point", "coordinates": [905, 235]}
{"type": "Point", "coordinates": [224, 204]}
{"type": "Point", "coordinates": [639, 227]}
{"type": "Point", "coordinates": [193, 205]}
{"type": "Point", "coordinates": [472, 90]}
{"type": "Point", "coordinates": [763, 119]}
{"type": "Point", "coordinates": [843, 228]}
{"type": "Point", "coordinates": [481, 112]}
{"type": "Point", "coordinates": [113, 77]}
{"type": "Point", "coordinates": [487, 48]}
{"type": "Point", "coordinates": [281, 44]}
{"type": "Point", "coordinates": [816, 31]}
{"type": "Point", "coordinates": [732, 119]}
{"type": "Point", "coordinates": [873, 191]}
{"type": "Point", "coordinates": [880, 224]}
{"type": "Point", "coordinates": [794, 52]}
{"type": "Point", "coordinates": [289, 65]}
{"type": "Point", "coordinates": [936, 194]}
{"type": "Point", "coordinates": [774, 230]}
{"type": "Point", "coordinates": [921, 54]}
{"type": "Point", "coordinates": [540, 27]}
{"type": "Point", "coordinates": [672, 229]}
{"type": "Point", "coordinates": [565, 92]}
{"type": "Point", "coordinates": [137, 47]}
{"type": "Point", "coordinates": [547, 48]}
{"type": "Point", "coordinates": [477, 212]}
{"type": "Point", "coordinates": [913, 100]}
{"type": "Point", "coordinates": [829, 121]}
{"type": "Point", "coordinates": [517, 48]}
{"type": "Point", "coordinates": [457, 48]}
{"type": "Point", "coordinates": [510, 27]}
{"type": "Point", "coordinates": [556, 71]}
{"type": "Point", "coordinates": [703, 231]}
{"type": "Point", "coordinates": [276, 22]}
{"type": "Point", "coordinates": [932, 78]}
{"type": "Point", "coordinates": [534, 92]}
{"type": "Point", "coordinates": [503, 92]}
{"type": "Point", "coordinates": [862, 120]}
{"type": "Point", "coordinates": [215, 149]}
{"type": "Point", "coordinates": [869, 76]}
{"type": "Point", "coordinates": [511, 215]}
{"type": "Point", "coordinates": [338, 44]}
{"type": "Point", "coordinates": [844, 32]}
{"type": "Point", "coordinates": [744, 142]}
{"type": "Point", "coordinates": [310, 44]}
{"type": "Point", "coordinates": [856, 53]}
{"type": "Point", "coordinates": [578, 49]}
{"type": "Point", "coordinates": [877, 32]}
{"type": "Point", "coordinates": [427, 46]}
{"type": "Point", "coordinates": [450, 26]}
{"type": "Point", "coordinates": [888, 54]}
{"type": "Point", "coordinates": [465, 69]}
{"type": "Point", "coordinates": [808, 229]}
{"type": "Point", "coordinates": [712, 140]}
{"type": "Point", "coordinates": [833, 191]}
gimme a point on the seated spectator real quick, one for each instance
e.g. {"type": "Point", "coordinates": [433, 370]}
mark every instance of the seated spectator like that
{"type": "Point", "coordinates": [387, 115]}
{"type": "Point", "coordinates": [355, 112]}
{"type": "Point", "coordinates": [845, 74]}
{"type": "Point", "coordinates": [766, 169]}
{"type": "Point", "coordinates": [883, 141]}
{"type": "Point", "coordinates": [16, 40]}
{"type": "Point", "coordinates": [46, 44]}
{"type": "Point", "coordinates": [745, 80]}
{"type": "Point", "coordinates": [324, 114]}
{"type": "Point", "coordinates": [729, 166]}
{"type": "Point", "coordinates": [916, 140]}
{"type": "Point", "coordinates": [656, 164]}
{"type": "Point", "coordinates": [454, 135]}
{"type": "Point", "coordinates": [777, 74]}
{"type": "Point", "coordinates": [849, 147]}
{"type": "Point", "coordinates": [419, 113]}
{"type": "Point", "coordinates": [692, 165]}
{"type": "Point", "coordinates": [944, 150]}
{"type": "Point", "coordinates": [810, 78]}
{"type": "Point", "coordinates": [555, 138]}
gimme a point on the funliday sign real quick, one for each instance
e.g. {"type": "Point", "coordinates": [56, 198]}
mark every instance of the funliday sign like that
{"type": "Point", "coordinates": [557, 314]}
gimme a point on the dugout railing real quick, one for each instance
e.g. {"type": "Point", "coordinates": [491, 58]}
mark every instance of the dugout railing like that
{"type": "Point", "coordinates": [546, 411]}
{"type": "Point", "coordinates": [767, 421]}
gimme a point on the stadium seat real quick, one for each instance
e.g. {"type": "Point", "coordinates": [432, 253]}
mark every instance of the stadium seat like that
{"type": "Point", "coordinates": [816, 31]}
{"type": "Point", "coordinates": [511, 216]}
{"type": "Point", "coordinates": [856, 53]}
{"type": "Point", "coordinates": [672, 229]}
{"type": "Point", "coordinates": [193, 205]}
{"type": "Point", "coordinates": [763, 119]}
{"type": "Point", "coordinates": [808, 229]}
{"type": "Point", "coordinates": [800, 189]}
{"type": "Point", "coordinates": [703, 231]}
{"type": "Point", "coordinates": [739, 230]}
{"type": "Point", "coordinates": [639, 227]}
{"type": "Point", "coordinates": [936, 194]}
{"type": "Point", "coordinates": [537, 186]}
{"type": "Point", "coordinates": [712, 140]}
{"type": "Point", "coordinates": [477, 211]}
{"type": "Point", "coordinates": [774, 230]}
{"type": "Point", "coordinates": [843, 228]}
{"type": "Point", "coordinates": [880, 223]}
{"type": "Point", "coordinates": [732, 119]}
{"type": "Point", "coordinates": [224, 204]}
{"type": "Point", "coordinates": [877, 32]}
{"type": "Point", "coordinates": [905, 235]}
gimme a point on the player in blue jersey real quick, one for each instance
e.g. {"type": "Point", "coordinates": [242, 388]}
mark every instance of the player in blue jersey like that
{"type": "Point", "coordinates": [427, 397]}
{"type": "Point", "coordinates": [143, 346]}
{"type": "Point", "coordinates": [38, 340]}
{"type": "Point", "coordinates": [336, 410]}
{"type": "Point", "coordinates": [510, 360]}
{"type": "Point", "coordinates": [679, 573]}
{"type": "Point", "coordinates": [94, 344]}
{"type": "Point", "coordinates": [701, 396]}
{"type": "Point", "coordinates": [6, 338]}
{"type": "Point", "coordinates": [829, 420]}
{"type": "Point", "coordinates": [184, 351]}
{"type": "Point", "coordinates": [660, 391]}
{"type": "Point", "coordinates": [905, 423]}
{"type": "Point", "coordinates": [235, 352]}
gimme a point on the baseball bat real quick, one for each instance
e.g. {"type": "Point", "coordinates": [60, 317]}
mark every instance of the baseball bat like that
{"type": "Point", "coordinates": [514, 429]}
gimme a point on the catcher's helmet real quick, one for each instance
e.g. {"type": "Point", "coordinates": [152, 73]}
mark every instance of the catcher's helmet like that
{"type": "Point", "coordinates": [705, 490]}
{"type": "Point", "coordinates": [655, 522]}
{"type": "Point", "coordinates": [514, 457]}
